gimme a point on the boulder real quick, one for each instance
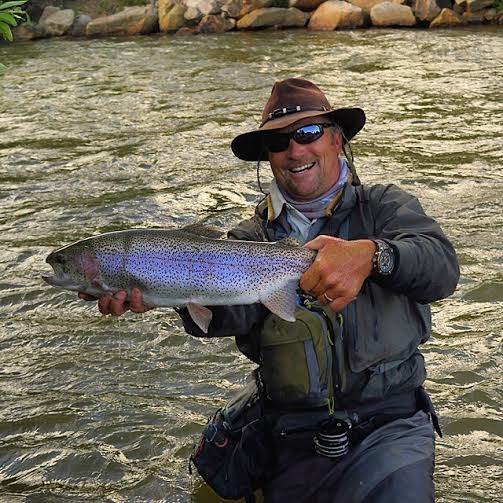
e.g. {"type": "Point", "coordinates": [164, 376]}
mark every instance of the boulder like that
{"type": "Point", "coordinates": [426, 10]}
{"type": "Point", "coordinates": [273, 16]}
{"type": "Point", "coordinates": [57, 23]}
{"type": "Point", "coordinates": [447, 18]}
{"type": "Point", "coordinates": [236, 8]}
{"type": "Point", "coordinates": [171, 16]}
{"type": "Point", "coordinates": [336, 15]}
{"type": "Point", "coordinates": [305, 5]}
{"type": "Point", "coordinates": [79, 26]}
{"type": "Point", "coordinates": [137, 20]}
{"type": "Point", "coordinates": [445, 4]}
{"type": "Point", "coordinates": [205, 7]}
{"type": "Point", "coordinates": [491, 14]}
{"type": "Point", "coordinates": [476, 5]}
{"type": "Point", "coordinates": [392, 14]}
{"type": "Point", "coordinates": [28, 31]}
{"type": "Point", "coordinates": [366, 5]}
{"type": "Point", "coordinates": [215, 24]}
{"type": "Point", "coordinates": [185, 31]}
{"type": "Point", "coordinates": [473, 17]}
{"type": "Point", "coordinates": [48, 11]}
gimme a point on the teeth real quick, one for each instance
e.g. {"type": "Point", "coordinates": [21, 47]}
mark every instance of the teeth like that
{"type": "Point", "coordinates": [302, 168]}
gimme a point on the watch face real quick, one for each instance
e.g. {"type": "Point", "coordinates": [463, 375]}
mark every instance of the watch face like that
{"type": "Point", "coordinates": [386, 261]}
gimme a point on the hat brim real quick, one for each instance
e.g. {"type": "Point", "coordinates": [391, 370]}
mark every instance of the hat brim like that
{"type": "Point", "coordinates": [248, 146]}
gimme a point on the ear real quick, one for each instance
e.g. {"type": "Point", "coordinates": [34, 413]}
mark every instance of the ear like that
{"type": "Point", "coordinates": [337, 139]}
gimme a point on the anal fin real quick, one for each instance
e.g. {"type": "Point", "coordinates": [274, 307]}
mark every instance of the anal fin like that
{"type": "Point", "coordinates": [201, 315]}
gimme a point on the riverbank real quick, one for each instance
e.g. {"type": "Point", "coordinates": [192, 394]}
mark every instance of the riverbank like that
{"type": "Point", "coordinates": [185, 17]}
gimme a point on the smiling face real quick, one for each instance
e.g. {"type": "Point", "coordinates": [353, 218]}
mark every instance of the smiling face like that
{"type": "Point", "coordinates": [306, 172]}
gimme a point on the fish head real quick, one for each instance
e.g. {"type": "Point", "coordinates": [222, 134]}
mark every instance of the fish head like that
{"type": "Point", "coordinates": [75, 268]}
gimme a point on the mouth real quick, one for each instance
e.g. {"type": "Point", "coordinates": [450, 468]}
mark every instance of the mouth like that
{"type": "Point", "coordinates": [301, 169]}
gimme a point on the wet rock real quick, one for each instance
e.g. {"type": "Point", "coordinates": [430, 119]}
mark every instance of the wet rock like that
{"type": "Point", "coordinates": [234, 8]}
{"type": "Point", "coordinates": [79, 26]}
{"type": "Point", "coordinates": [447, 18]}
{"type": "Point", "coordinates": [57, 23]}
{"type": "Point", "coordinates": [131, 21]}
{"type": "Point", "coordinates": [185, 31]}
{"type": "Point", "coordinates": [336, 15]}
{"type": "Point", "coordinates": [476, 5]}
{"type": "Point", "coordinates": [306, 5]}
{"type": "Point", "coordinates": [171, 16]}
{"type": "Point", "coordinates": [391, 14]}
{"type": "Point", "coordinates": [215, 24]}
{"type": "Point", "coordinates": [426, 10]}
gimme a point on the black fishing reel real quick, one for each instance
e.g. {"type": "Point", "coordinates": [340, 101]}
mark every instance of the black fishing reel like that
{"type": "Point", "coordinates": [331, 439]}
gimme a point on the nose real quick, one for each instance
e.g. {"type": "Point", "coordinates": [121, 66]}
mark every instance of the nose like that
{"type": "Point", "coordinates": [295, 150]}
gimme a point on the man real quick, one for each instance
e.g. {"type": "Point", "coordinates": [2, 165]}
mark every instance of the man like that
{"type": "Point", "coordinates": [343, 384]}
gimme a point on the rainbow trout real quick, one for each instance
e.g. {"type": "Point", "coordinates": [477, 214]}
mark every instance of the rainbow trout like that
{"type": "Point", "coordinates": [179, 268]}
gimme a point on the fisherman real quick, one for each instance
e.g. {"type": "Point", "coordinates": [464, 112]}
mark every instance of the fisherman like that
{"type": "Point", "coordinates": [349, 420]}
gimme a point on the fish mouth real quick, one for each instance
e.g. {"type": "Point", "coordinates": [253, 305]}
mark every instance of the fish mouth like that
{"type": "Point", "coordinates": [302, 168]}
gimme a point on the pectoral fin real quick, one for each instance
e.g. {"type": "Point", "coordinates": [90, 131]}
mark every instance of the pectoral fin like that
{"type": "Point", "coordinates": [282, 302]}
{"type": "Point", "coordinates": [201, 315]}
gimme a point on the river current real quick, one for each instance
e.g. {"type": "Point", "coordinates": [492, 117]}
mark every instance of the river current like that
{"type": "Point", "coordinates": [100, 135]}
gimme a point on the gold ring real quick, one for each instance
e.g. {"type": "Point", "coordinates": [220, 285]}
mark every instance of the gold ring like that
{"type": "Point", "coordinates": [327, 298]}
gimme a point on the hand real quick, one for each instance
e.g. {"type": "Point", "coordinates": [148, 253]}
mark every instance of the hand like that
{"type": "Point", "coordinates": [116, 304]}
{"type": "Point", "coordinates": [339, 269]}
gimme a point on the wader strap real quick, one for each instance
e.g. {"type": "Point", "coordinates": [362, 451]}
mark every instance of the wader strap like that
{"type": "Point", "coordinates": [425, 404]}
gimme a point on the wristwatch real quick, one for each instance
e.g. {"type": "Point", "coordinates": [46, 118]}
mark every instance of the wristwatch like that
{"type": "Point", "coordinates": [383, 261]}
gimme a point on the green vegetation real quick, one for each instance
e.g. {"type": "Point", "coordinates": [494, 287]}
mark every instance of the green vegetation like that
{"type": "Point", "coordinates": [10, 14]}
{"type": "Point", "coordinates": [498, 5]}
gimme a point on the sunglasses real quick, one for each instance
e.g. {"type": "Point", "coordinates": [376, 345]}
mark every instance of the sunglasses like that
{"type": "Point", "coordinates": [278, 142]}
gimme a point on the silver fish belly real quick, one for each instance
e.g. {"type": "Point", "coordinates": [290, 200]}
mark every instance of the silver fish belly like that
{"type": "Point", "coordinates": [177, 268]}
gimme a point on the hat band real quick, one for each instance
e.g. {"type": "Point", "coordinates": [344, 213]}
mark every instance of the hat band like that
{"type": "Point", "coordinates": [280, 112]}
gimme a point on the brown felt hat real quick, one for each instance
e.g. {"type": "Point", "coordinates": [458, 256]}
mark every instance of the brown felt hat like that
{"type": "Point", "coordinates": [290, 101]}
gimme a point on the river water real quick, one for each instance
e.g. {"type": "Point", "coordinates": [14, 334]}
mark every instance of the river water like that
{"type": "Point", "coordinates": [100, 135]}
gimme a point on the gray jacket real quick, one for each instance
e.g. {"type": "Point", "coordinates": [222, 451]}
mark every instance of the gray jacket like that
{"type": "Point", "coordinates": [390, 318]}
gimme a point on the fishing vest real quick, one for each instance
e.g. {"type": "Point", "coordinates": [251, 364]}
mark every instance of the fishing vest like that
{"type": "Point", "coordinates": [364, 353]}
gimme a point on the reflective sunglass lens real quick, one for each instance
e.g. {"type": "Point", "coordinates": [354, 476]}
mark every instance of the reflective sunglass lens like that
{"type": "Point", "coordinates": [308, 134]}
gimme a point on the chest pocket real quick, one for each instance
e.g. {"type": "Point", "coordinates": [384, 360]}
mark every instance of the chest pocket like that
{"type": "Point", "coordinates": [297, 359]}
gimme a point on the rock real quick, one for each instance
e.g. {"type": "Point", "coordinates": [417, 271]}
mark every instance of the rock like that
{"type": "Point", "coordinates": [28, 31]}
{"type": "Point", "coordinates": [205, 7]}
{"type": "Point", "coordinates": [305, 5]}
{"type": "Point", "coordinates": [215, 24]}
{"type": "Point", "coordinates": [366, 5]}
{"type": "Point", "coordinates": [48, 11]}
{"type": "Point", "coordinates": [234, 8]}
{"type": "Point", "coordinates": [447, 18]}
{"type": "Point", "coordinates": [171, 16]}
{"type": "Point", "coordinates": [335, 14]}
{"type": "Point", "coordinates": [78, 28]}
{"type": "Point", "coordinates": [476, 5]}
{"type": "Point", "coordinates": [131, 21]}
{"type": "Point", "coordinates": [57, 23]}
{"type": "Point", "coordinates": [444, 4]}
{"type": "Point", "coordinates": [185, 31]}
{"type": "Point", "coordinates": [473, 17]}
{"type": "Point", "coordinates": [491, 14]}
{"type": "Point", "coordinates": [426, 10]}
{"type": "Point", "coordinates": [273, 16]}
{"type": "Point", "coordinates": [391, 14]}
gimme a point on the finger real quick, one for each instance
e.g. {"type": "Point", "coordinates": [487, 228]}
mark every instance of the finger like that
{"type": "Point", "coordinates": [136, 302]}
{"type": "Point", "coordinates": [340, 303]}
{"type": "Point", "coordinates": [310, 278]}
{"type": "Point", "coordinates": [104, 304]}
{"type": "Point", "coordinates": [118, 303]}
{"type": "Point", "coordinates": [315, 244]}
